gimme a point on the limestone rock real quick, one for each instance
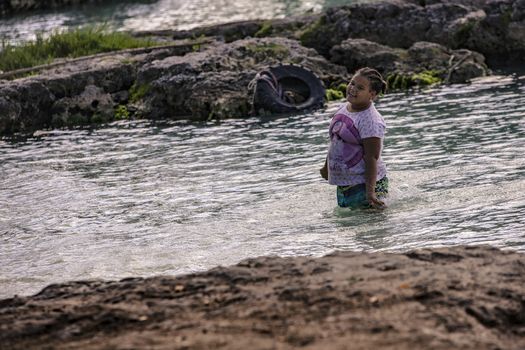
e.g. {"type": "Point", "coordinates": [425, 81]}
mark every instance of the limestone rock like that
{"type": "Point", "coordinates": [214, 83]}
{"type": "Point", "coordinates": [493, 28]}
{"type": "Point", "coordinates": [405, 68]}
{"type": "Point", "coordinates": [93, 104]}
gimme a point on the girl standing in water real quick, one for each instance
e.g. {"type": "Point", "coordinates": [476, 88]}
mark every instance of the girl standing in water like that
{"type": "Point", "coordinates": [356, 131]}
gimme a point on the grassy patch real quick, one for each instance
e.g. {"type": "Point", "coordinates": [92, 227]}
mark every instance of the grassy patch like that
{"type": "Point", "coordinates": [67, 44]}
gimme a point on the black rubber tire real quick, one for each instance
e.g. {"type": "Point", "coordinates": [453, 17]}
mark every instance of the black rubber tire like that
{"type": "Point", "coordinates": [296, 79]}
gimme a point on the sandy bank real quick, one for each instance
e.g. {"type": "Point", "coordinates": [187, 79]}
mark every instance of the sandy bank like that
{"type": "Point", "coordinates": [447, 298]}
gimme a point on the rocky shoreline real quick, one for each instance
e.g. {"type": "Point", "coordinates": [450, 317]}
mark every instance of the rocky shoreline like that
{"type": "Point", "coordinates": [204, 73]}
{"type": "Point", "coordinates": [443, 298]}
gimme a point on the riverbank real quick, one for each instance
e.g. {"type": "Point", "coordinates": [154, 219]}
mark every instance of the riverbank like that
{"type": "Point", "coordinates": [410, 44]}
{"type": "Point", "coordinates": [443, 298]}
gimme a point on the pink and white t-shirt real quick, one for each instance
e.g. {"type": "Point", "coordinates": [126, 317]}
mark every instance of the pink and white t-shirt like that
{"type": "Point", "coordinates": [346, 166]}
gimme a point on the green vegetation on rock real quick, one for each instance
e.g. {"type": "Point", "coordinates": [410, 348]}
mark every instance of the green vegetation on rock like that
{"type": "Point", "coordinates": [98, 118]}
{"type": "Point", "coordinates": [268, 49]}
{"type": "Point", "coordinates": [310, 33]}
{"type": "Point", "coordinates": [506, 17]}
{"type": "Point", "coordinates": [266, 30]}
{"type": "Point", "coordinates": [428, 77]}
{"type": "Point", "coordinates": [464, 32]}
{"type": "Point", "coordinates": [138, 91]}
{"type": "Point", "coordinates": [336, 92]}
{"type": "Point", "coordinates": [199, 42]}
{"type": "Point", "coordinates": [121, 112]}
{"type": "Point", "coordinates": [333, 95]}
{"type": "Point", "coordinates": [342, 87]}
{"type": "Point", "coordinates": [398, 81]}
{"type": "Point", "coordinates": [401, 81]}
{"type": "Point", "coordinates": [67, 44]}
{"type": "Point", "coordinates": [76, 120]}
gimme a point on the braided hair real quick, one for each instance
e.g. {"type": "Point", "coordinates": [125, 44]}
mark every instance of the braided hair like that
{"type": "Point", "coordinates": [377, 83]}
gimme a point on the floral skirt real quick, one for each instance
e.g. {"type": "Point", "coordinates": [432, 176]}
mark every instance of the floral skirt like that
{"type": "Point", "coordinates": [355, 196]}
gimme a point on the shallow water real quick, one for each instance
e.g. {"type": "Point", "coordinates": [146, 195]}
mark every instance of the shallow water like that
{"type": "Point", "coordinates": [140, 15]}
{"type": "Point", "coordinates": [142, 198]}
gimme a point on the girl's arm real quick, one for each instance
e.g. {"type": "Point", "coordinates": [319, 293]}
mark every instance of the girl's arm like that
{"type": "Point", "coordinates": [372, 149]}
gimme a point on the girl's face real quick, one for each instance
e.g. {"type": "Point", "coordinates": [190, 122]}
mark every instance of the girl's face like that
{"type": "Point", "coordinates": [358, 92]}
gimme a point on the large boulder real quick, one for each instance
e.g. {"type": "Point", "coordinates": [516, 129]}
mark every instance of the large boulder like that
{"type": "Point", "coordinates": [92, 105]}
{"type": "Point", "coordinates": [73, 94]}
{"type": "Point", "coordinates": [392, 23]}
{"type": "Point", "coordinates": [10, 112]}
{"type": "Point", "coordinates": [24, 106]}
{"type": "Point", "coordinates": [357, 53]}
{"type": "Point", "coordinates": [214, 83]}
{"type": "Point", "coordinates": [421, 64]}
{"type": "Point", "coordinates": [411, 42]}
{"type": "Point", "coordinates": [494, 28]}
{"type": "Point", "coordinates": [209, 82]}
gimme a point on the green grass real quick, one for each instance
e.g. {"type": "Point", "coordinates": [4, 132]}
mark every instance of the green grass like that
{"type": "Point", "coordinates": [67, 44]}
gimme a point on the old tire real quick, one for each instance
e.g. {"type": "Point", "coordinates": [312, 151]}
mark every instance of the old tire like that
{"type": "Point", "coordinates": [287, 89]}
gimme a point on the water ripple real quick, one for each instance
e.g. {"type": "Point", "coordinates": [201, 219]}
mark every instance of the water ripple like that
{"type": "Point", "coordinates": [144, 197]}
{"type": "Point", "coordinates": [139, 15]}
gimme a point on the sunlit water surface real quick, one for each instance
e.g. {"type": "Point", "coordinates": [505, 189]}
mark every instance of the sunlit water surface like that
{"type": "Point", "coordinates": [140, 15]}
{"type": "Point", "coordinates": [142, 198]}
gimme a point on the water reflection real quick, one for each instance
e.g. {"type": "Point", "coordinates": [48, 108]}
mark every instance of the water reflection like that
{"type": "Point", "coordinates": [137, 15]}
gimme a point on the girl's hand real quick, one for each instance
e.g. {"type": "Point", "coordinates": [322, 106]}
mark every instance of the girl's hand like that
{"type": "Point", "coordinates": [324, 172]}
{"type": "Point", "coordinates": [374, 201]}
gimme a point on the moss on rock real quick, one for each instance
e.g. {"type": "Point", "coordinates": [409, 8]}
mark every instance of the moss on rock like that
{"type": "Point", "coordinates": [317, 31]}
{"type": "Point", "coordinates": [138, 91]}
{"type": "Point", "coordinates": [336, 92]}
{"type": "Point", "coordinates": [267, 48]}
{"type": "Point", "coordinates": [121, 112]}
{"type": "Point", "coordinates": [333, 95]}
{"type": "Point", "coordinates": [429, 77]}
{"type": "Point", "coordinates": [399, 81]}
{"type": "Point", "coordinates": [463, 33]}
{"type": "Point", "coordinates": [266, 30]}
{"type": "Point", "coordinates": [403, 81]}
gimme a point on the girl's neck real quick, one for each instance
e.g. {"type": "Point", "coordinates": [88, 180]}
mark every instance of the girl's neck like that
{"type": "Point", "coordinates": [353, 108]}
